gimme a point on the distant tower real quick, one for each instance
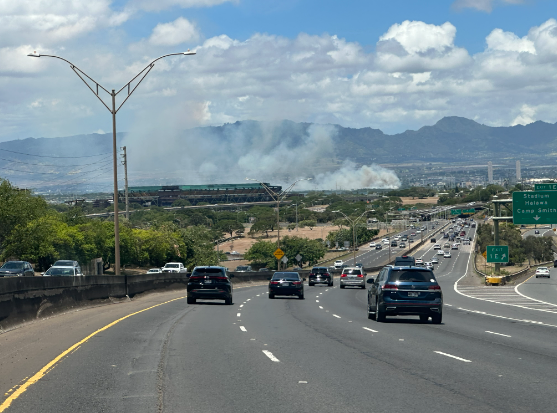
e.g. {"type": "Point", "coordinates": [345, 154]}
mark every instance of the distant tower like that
{"type": "Point", "coordinates": [518, 174]}
{"type": "Point", "coordinates": [489, 172]}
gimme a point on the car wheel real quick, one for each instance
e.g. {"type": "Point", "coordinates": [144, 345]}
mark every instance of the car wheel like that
{"type": "Point", "coordinates": [370, 315]}
{"type": "Point", "coordinates": [436, 318]}
{"type": "Point", "coordinates": [536, 276]}
{"type": "Point", "coordinates": [311, 284]}
{"type": "Point", "coordinates": [191, 300]}
{"type": "Point", "coordinates": [331, 284]}
{"type": "Point", "coordinates": [301, 296]}
{"type": "Point", "coordinates": [271, 296]}
{"type": "Point", "coordinates": [379, 315]}
{"type": "Point", "coordinates": [423, 318]}
{"type": "Point", "coordinates": [363, 287]}
{"type": "Point", "coordinates": [342, 286]}
{"type": "Point", "coordinates": [228, 301]}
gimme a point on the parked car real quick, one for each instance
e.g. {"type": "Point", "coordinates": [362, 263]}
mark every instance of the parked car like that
{"type": "Point", "coordinates": [243, 268]}
{"type": "Point", "coordinates": [320, 275]}
{"type": "Point", "coordinates": [17, 268]}
{"type": "Point", "coordinates": [405, 291]}
{"type": "Point", "coordinates": [542, 272]}
{"type": "Point", "coordinates": [174, 267]}
{"type": "Point", "coordinates": [286, 283]}
{"type": "Point", "coordinates": [352, 277]}
{"type": "Point", "coordinates": [68, 263]}
{"type": "Point", "coordinates": [210, 283]}
{"type": "Point", "coordinates": [60, 272]}
{"type": "Point", "coordinates": [154, 271]}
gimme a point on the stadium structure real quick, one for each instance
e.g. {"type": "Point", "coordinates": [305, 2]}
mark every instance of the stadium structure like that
{"type": "Point", "coordinates": [194, 194]}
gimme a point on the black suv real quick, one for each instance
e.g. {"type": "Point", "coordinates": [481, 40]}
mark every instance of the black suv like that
{"type": "Point", "coordinates": [405, 291]}
{"type": "Point", "coordinates": [211, 283]}
{"type": "Point", "coordinates": [320, 275]}
{"type": "Point", "coordinates": [405, 260]}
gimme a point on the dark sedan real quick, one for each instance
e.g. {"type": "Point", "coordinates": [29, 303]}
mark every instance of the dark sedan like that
{"type": "Point", "coordinates": [405, 291]}
{"type": "Point", "coordinates": [320, 275]}
{"type": "Point", "coordinates": [17, 268]}
{"type": "Point", "coordinates": [286, 283]}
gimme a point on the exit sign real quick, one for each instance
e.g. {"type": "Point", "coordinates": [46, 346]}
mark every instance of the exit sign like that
{"type": "Point", "coordinates": [545, 187]}
{"type": "Point", "coordinates": [497, 253]}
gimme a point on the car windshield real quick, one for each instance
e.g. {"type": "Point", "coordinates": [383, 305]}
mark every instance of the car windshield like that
{"type": "Point", "coordinates": [60, 271]}
{"type": "Point", "coordinates": [207, 272]}
{"type": "Point", "coordinates": [63, 263]}
{"type": "Point", "coordinates": [288, 276]}
{"type": "Point", "coordinates": [13, 265]}
{"type": "Point", "coordinates": [172, 265]}
{"type": "Point", "coordinates": [241, 268]}
{"type": "Point", "coordinates": [411, 276]}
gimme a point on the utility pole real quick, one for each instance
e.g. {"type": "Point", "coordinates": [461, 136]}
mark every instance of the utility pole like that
{"type": "Point", "coordinates": [125, 163]}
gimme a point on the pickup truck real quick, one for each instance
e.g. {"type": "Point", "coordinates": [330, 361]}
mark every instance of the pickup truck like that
{"type": "Point", "coordinates": [177, 267]}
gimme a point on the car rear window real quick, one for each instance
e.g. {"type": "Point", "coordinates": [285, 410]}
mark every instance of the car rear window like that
{"type": "Point", "coordinates": [319, 270]}
{"type": "Point", "coordinates": [353, 272]}
{"type": "Point", "coordinates": [202, 272]}
{"type": "Point", "coordinates": [289, 276]}
{"type": "Point", "coordinates": [411, 276]}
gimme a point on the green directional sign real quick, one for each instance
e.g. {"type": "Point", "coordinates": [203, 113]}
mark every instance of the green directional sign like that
{"type": "Point", "coordinates": [532, 207]}
{"type": "Point", "coordinates": [401, 209]}
{"type": "Point", "coordinates": [469, 211]}
{"type": "Point", "coordinates": [497, 253]}
{"type": "Point", "coordinates": [545, 187]}
{"type": "Point", "coordinates": [456, 211]}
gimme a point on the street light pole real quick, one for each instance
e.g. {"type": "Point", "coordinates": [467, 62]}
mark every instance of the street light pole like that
{"type": "Point", "coordinates": [278, 197]}
{"type": "Point", "coordinates": [113, 110]}
{"type": "Point", "coordinates": [353, 223]}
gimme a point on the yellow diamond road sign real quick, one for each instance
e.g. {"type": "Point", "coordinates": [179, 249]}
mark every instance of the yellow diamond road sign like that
{"type": "Point", "coordinates": [278, 254]}
{"type": "Point", "coordinates": [484, 254]}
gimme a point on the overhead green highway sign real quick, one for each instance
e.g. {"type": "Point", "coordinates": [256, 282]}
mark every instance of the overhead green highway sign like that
{"type": "Point", "coordinates": [469, 211]}
{"type": "Point", "coordinates": [401, 209]}
{"type": "Point", "coordinates": [532, 207]}
{"type": "Point", "coordinates": [497, 253]}
{"type": "Point", "coordinates": [545, 187]}
{"type": "Point", "coordinates": [456, 211]}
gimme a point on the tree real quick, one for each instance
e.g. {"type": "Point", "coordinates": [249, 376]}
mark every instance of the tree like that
{"type": "Point", "coordinates": [264, 223]}
{"type": "Point", "coordinates": [230, 226]}
{"type": "Point", "coordinates": [181, 202]}
{"type": "Point", "coordinates": [261, 254]}
{"type": "Point", "coordinates": [308, 223]}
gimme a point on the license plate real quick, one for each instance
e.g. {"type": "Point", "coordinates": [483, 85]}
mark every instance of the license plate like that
{"type": "Point", "coordinates": [286, 284]}
{"type": "Point", "coordinates": [208, 281]}
{"type": "Point", "coordinates": [413, 294]}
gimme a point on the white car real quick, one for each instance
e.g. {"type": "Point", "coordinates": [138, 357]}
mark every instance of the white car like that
{"type": "Point", "coordinates": [434, 260]}
{"type": "Point", "coordinates": [440, 252]}
{"type": "Point", "coordinates": [447, 254]}
{"type": "Point", "coordinates": [386, 241]}
{"type": "Point", "coordinates": [454, 246]}
{"type": "Point", "coordinates": [155, 271]}
{"type": "Point", "coordinates": [338, 264]}
{"type": "Point", "coordinates": [419, 261]}
{"type": "Point", "coordinates": [372, 245]}
{"type": "Point", "coordinates": [418, 231]}
{"type": "Point", "coordinates": [429, 265]}
{"type": "Point", "coordinates": [542, 272]}
{"type": "Point", "coordinates": [437, 247]}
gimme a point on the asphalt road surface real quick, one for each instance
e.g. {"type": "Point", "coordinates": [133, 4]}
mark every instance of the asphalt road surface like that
{"type": "Point", "coordinates": [321, 354]}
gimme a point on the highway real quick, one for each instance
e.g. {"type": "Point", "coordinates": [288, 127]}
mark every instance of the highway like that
{"type": "Point", "coordinates": [492, 353]}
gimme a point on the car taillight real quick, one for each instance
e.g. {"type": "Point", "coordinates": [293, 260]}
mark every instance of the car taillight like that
{"type": "Point", "coordinates": [390, 287]}
{"type": "Point", "coordinates": [274, 282]}
{"type": "Point", "coordinates": [327, 274]}
{"type": "Point", "coordinates": [297, 282]}
{"type": "Point", "coordinates": [220, 278]}
{"type": "Point", "coordinates": [312, 275]}
{"type": "Point", "coordinates": [360, 275]}
{"type": "Point", "coordinates": [343, 275]}
{"type": "Point", "coordinates": [196, 278]}
{"type": "Point", "coordinates": [434, 287]}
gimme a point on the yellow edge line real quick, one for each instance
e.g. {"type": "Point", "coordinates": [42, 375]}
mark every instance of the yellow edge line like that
{"type": "Point", "coordinates": [42, 372]}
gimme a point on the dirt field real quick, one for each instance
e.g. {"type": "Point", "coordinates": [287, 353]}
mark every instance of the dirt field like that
{"type": "Point", "coordinates": [407, 200]}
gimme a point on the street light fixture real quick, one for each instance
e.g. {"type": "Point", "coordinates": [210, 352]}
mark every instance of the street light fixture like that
{"type": "Point", "coordinates": [81, 74]}
{"type": "Point", "coordinates": [278, 197]}
{"type": "Point", "coordinates": [353, 223]}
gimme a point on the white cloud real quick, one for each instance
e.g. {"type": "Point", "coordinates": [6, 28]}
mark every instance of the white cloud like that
{"type": "Point", "coordinates": [415, 46]}
{"type": "Point", "coordinates": [171, 34]}
{"type": "Point", "coordinates": [526, 116]}
{"type": "Point", "coordinates": [482, 5]}
{"type": "Point", "coordinates": [509, 42]}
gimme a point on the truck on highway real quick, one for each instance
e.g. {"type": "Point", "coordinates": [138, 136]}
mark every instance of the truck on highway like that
{"type": "Point", "coordinates": [174, 267]}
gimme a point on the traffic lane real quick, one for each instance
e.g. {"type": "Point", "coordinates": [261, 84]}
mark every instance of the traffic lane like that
{"type": "Point", "coordinates": [123, 368]}
{"type": "Point", "coordinates": [542, 232]}
{"type": "Point", "coordinates": [28, 348]}
{"type": "Point", "coordinates": [415, 345]}
{"type": "Point", "coordinates": [541, 289]}
{"type": "Point", "coordinates": [361, 359]}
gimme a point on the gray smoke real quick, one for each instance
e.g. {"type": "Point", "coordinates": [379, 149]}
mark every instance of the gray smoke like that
{"type": "Point", "coordinates": [274, 152]}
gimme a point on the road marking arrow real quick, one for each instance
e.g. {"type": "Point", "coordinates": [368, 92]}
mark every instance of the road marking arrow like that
{"type": "Point", "coordinates": [536, 217]}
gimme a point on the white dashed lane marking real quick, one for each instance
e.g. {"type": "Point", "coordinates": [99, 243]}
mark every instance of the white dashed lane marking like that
{"type": "Point", "coordinates": [337, 316]}
{"type": "Point", "coordinates": [243, 329]}
{"type": "Point", "coordinates": [454, 357]}
{"type": "Point", "coordinates": [271, 356]}
{"type": "Point", "coordinates": [321, 307]}
{"type": "Point", "coordinates": [370, 329]}
{"type": "Point", "coordinates": [498, 334]}
{"type": "Point", "coordinates": [238, 315]}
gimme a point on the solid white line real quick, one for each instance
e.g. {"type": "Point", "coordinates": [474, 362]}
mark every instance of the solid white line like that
{"type": "Point", "coordinates": [337, 316]}
{"type": "Point", "coordinates": [454, 357]}
{"type": "Point", "coordinates": [497, 334]}
{"type": "Point", "coordinates": [270, 355]}
{"type": "Point", "coordinates": [238, 315]}
{"type": "Point", "coordinates": [530, 298]}
{"type": "Point", "coordinates": [369, 329]}
{"type": "Point", "coordinates": [243, 329]}
{"type": "Point", "coordinates": [539, 323]}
